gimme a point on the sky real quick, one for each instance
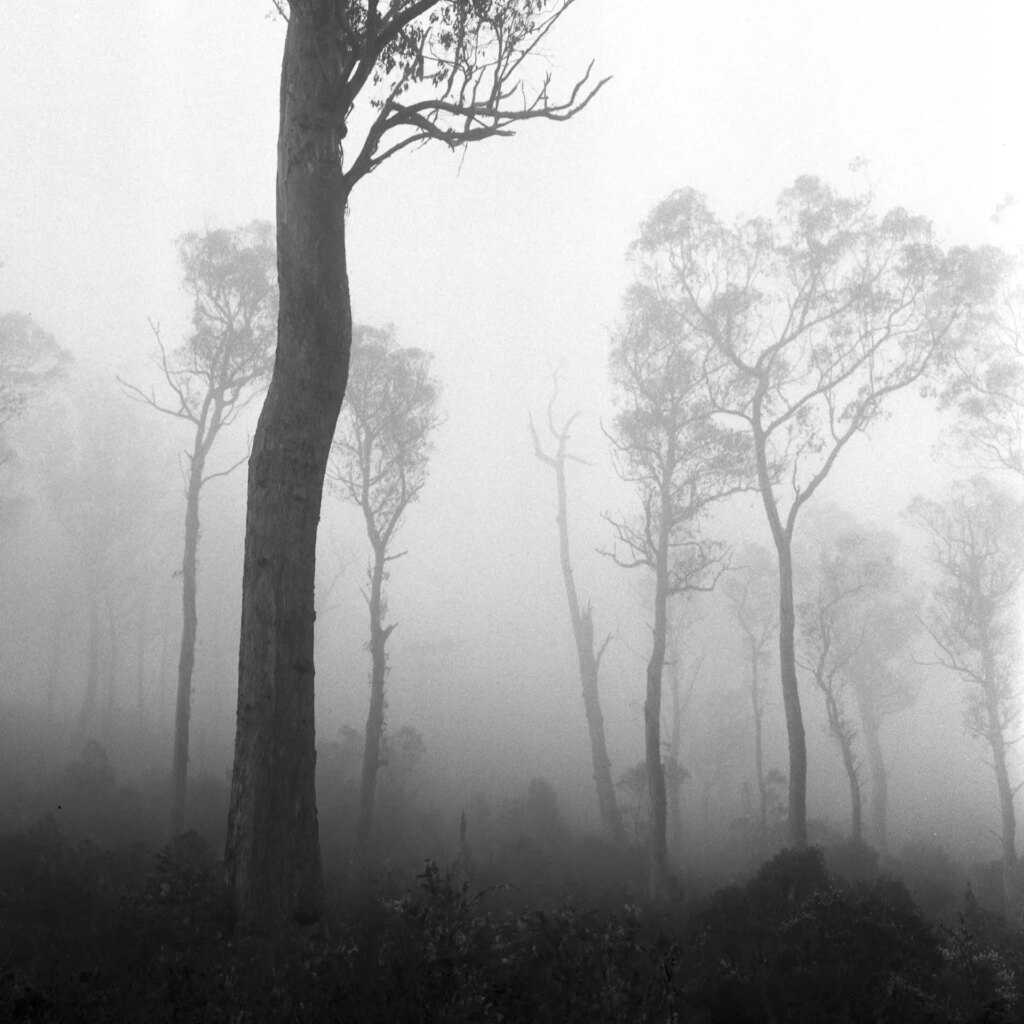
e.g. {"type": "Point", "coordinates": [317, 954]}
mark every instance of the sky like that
{"type": "Point", "coordinates": [124, 125]}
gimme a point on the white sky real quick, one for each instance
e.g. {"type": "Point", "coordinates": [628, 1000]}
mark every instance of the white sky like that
{"type": "Point", "coordinates": [123, 125]}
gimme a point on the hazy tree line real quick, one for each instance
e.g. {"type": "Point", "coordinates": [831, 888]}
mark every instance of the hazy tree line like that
{"type": "Point", "coordinates": [750, 355]}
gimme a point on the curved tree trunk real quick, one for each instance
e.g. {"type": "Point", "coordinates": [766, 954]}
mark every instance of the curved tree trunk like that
{"type": "Point", "coordinates": [782, 535]}
{"type": "Point", "coordinates": [797, 815]}
{"type": "Point", "coordinates": [375, 718]}
{"type": "Point", "coordinates": [272, 857]}
{"type": "Point", "coordinates": [187, 653]}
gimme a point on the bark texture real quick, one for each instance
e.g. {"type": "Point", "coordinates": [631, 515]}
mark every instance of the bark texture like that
{"type": "Point", "coordinates": [272, 858]}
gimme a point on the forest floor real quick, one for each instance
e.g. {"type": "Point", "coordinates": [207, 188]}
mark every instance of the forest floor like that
{"type": "Point", "coordinates": [93, 934]}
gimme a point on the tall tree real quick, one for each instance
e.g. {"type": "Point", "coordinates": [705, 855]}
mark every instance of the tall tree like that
{"type": "Point", "coordinates": [581, 617]}
{"type": "Point", "coordinates": [977, 548]}
{"type": "Point", "coordinates": [803, 327]}
{"type": "Point", "coordinates": [681, 462]}
{"type": "Point", "coordinates": [379, 463]}
{"type": "Point", "coordinates": [753, 595]}
{"type": "Point", "coordinates": [425, 70]}
{"type": "Point", "coordinates": [212, 376]}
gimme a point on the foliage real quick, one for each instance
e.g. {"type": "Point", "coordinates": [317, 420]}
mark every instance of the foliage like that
{"type": "Point", "coordinates": [94, 934]}
{"type": "Point", "coordinates": [30, 360]}
{"type": "Point", "coordinates": [383, 443]}
{"type": "Point", "coordinates": [983, 379]}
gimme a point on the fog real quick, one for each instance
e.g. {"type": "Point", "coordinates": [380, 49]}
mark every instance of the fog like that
{"type": "Point", "coordinates": [128, 126]}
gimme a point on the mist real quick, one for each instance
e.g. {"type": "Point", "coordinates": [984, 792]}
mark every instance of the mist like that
{"type": "Point", "coordinates": [518, 306]}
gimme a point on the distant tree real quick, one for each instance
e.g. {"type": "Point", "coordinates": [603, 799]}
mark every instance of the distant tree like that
{"type": "Point", "coordinates": [667, 445]}
{"type": "Point", "coordinates": [977, 548]}
{"type": "Point", "coordinates": [215, 373]}
{"type": "Point", "coordinates": [450, 71]}
{"type": "Point", "coordinates": [802, 327]}
{"type": "Point", "coordinates": [379, 464]}
{"type": "Point", "coordinates": [984, 382]}
{"type": "Point", "coordinates": [30, 361]}
{"type": "Point", "coordinates": [834, 622]}
{"type": "Point", "coordinates": [752, 591]}
{"type": "Point", "coordinates": [582, 620]}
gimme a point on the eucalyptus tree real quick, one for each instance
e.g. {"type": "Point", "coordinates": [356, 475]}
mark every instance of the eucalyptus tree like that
{"type": "Point", "coordinates": [222, 364]}
{"type": "Point", "coordinates": [581, 618]}
{"type": "Point", "coordinates": [379, 464]}
{"type": "Point", "coordinates": [977, 550]}
{"type": "Point", "coordinates": [681, 463]}
{"type": "Point", "coordinates": [407, 73]}
{"type": "Point", "coordinates": [804, 326]}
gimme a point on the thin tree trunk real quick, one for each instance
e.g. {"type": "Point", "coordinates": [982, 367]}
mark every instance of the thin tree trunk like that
{"type": "Point", "coordinates": [657, 839]}
{"type": "Point", "coordinates": [782, 535]}
{"type": "Point", "coordinates": [272, 855]}
{"type": "Point", "coordinates": [758, 710]}
{"type": "Point", "coordinates": [189, 620]}
{"type": "Point", "coordinates": [675, 780]}
{"type": "Point", "coordinates": [142, 624]}
{"type": "Point", "coordinates": [997, 742]}
{"type": "Point", "coordinates": [876, 762]}
{"type": "Point", "coordinates": [53, 673]}
{"type": "Point", "coordinates": [589, 662]}
{"type": "Point", "coordinates": [92, 677]}
{"type": "Point", "coordinates": [375, 718]}
{"type": "Point", "coordinates": [797, 814]}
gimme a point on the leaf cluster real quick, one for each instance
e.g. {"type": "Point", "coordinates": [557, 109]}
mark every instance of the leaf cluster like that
{"type": "Point", "coordinates": [803, 324]}
{"type": "Point", "coordinates": [383, 441]}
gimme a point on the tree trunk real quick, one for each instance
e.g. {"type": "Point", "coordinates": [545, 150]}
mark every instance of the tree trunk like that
{"type": "Point", "coordinates": [589, 662]}
{"type": "Point", "coordinates": [797, 815]}
{"type": "Point", "coordinates": [272, 857]}
{"type": "Point", "coordinates": [783, 538]}
{"type": "Point", "coordinates": [850, 764]}
{"type": "Point", "coordinates": [92, 677]}
{"type": "Point", "coordinates": [675, 780]}
{"type": "Point", "coordinates": [657, 839]}
{"type": "Point", "coordinates": [375, 718]}
{"type": "Point", "coordinates": [141, 626]}
{"type": "Point", "coordinates": [187, 654]}
{"type": "Point", "coordinates": [876, 762]}
{"type": "Point", "coordinates": [997, 741]}
{"type": "Point", "coordinates": [758, 709]}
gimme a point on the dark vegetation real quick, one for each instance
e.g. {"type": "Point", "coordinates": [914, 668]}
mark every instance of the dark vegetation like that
{"type": "Point", "coordinates": [515, 918]}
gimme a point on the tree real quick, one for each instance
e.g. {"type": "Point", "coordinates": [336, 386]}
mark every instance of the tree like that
{"type": "Point", "coordinates": [379, 463]}
{"type": "Point", "coordinates": [581, 618]}
{"type": "Point", "coordinates": [803, 327]}
{"type": "Point", "coordinates": [30, 361]}
{"type": "Point", "coordinates": [984, 382]}
{"type": "Point", "coordinates": [429, 70]}
{"type": "Point", "coordinates": [977, 548]}
{"type": "Point", "coordinates": [681, 462]}
{"type": "Point", "coordinates": [752, 592]}
{"type": "Point", "coordinates": [215, 373]}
